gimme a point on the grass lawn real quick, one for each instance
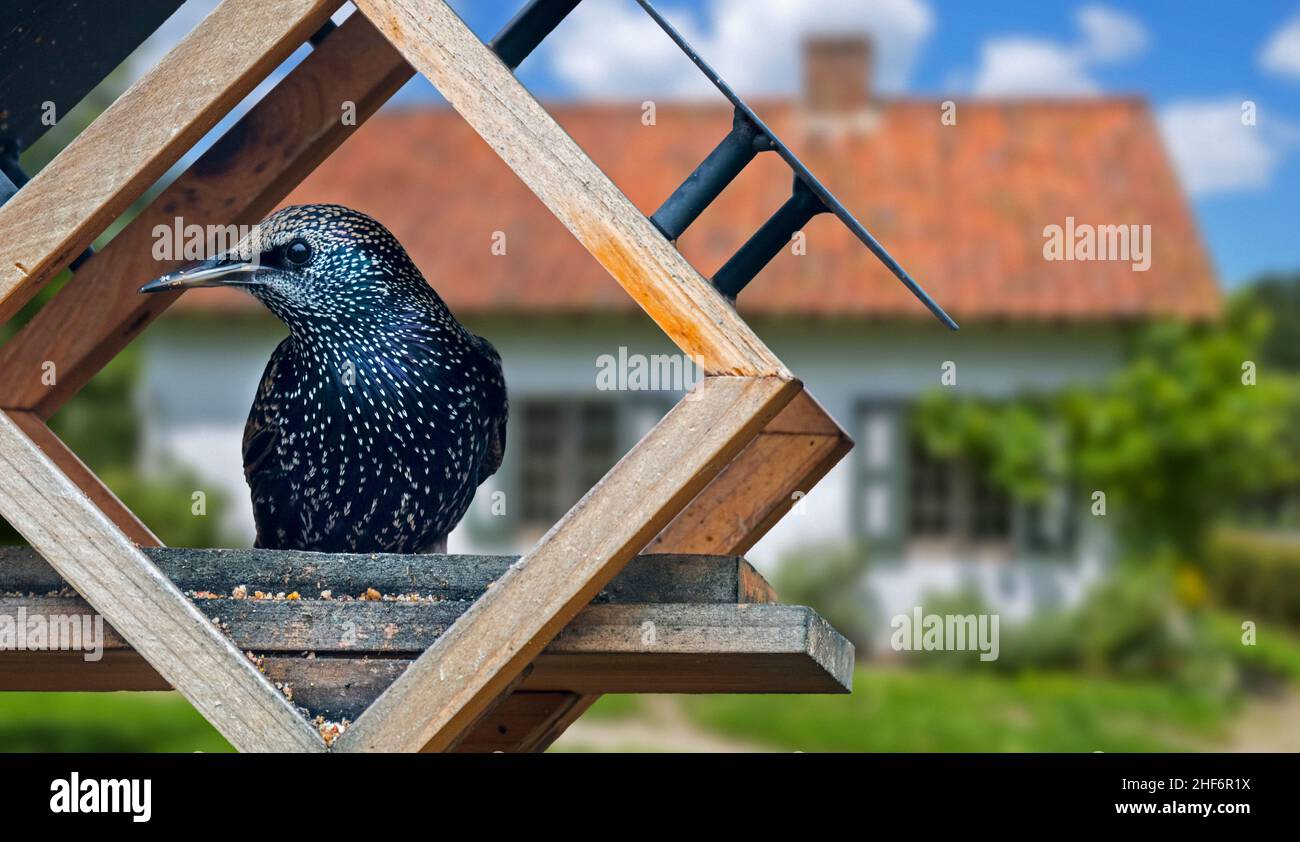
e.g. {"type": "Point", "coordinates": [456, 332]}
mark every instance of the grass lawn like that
{"type": "Point", "coordinates": [107, 722]}
{"type": "Point", "coordinates": [889, 710]}
{"type": "Point", "coordinates": [906, 711]}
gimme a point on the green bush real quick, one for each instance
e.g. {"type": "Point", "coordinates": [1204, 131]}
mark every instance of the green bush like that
{"type": "Point", "coordinates": [1257, 572]}
{"type": "Point", "coordinates": [1130, 625]}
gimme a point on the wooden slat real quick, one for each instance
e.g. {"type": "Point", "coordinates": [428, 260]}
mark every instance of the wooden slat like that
{"type": "Point", "coordinates": [56, 518]}
{"type": "Point", "coordinates": [446, 578]}
{"type": "Point", "coordinates": [84, 478]}
{"type": "Point", "coordinates": [696, 649]}
{"type": "Point", "coordinates": [129, 146]}
{"type": "Point", "coordinates": [609, 647]}
{"type": "Point", "coordinates": [581, 196]}
{"type": "Point", "coordinates": [238, 180]}
{"type": "Point", "coordinates": [796, 449]}
{"type": "Point", "coordinates": [469, 666]}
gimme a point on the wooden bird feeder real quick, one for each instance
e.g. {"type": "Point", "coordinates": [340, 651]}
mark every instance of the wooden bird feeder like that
{"type": "Point", "coordinates": [640, 588]}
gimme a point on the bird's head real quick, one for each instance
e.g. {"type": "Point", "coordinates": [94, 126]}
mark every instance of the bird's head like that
{"type": "Point", "coordinates": [313, 262]}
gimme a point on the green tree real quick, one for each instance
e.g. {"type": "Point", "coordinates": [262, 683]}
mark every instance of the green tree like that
{"type": "Point", "coordinates": [1174, 439]}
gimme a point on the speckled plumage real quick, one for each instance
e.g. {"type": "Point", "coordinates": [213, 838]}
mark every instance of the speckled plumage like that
{"type": "Point", "coordinates": [379, 416]}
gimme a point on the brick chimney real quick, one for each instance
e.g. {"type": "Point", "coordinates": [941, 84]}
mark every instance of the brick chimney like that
{"type": "Point", "coordinates": [837, 73]}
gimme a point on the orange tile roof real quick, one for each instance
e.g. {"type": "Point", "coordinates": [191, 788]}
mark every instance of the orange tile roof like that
{"type": "Point", "coordinates": [962, 207]}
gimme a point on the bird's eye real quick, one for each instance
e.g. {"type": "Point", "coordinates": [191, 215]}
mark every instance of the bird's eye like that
{"type": "Point", "coordinates": [297, 252]}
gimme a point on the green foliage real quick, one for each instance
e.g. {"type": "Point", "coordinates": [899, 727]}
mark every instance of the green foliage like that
{"type": "Point", "coordinates": [830, 577]}
{"type": "Point", "coordinates": [1174, 439]}
{"type": "Point", "coordinates": [1257, 573]}
{"type": "Point", "coordinates": [1279, 297]}
{"type": "Point", "coordinates": [1274, 651]}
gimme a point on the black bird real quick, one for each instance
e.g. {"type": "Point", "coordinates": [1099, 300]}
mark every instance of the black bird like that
{"type": "Point", "coordinates": [380, 414]}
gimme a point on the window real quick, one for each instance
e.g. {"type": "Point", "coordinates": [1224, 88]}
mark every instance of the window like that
{"type": "Point", "coordinates": [953, 505]}
{"type": "Point", "coordinates": [568, 445]}
{"type": "Point", "coordinates": [910, 503]}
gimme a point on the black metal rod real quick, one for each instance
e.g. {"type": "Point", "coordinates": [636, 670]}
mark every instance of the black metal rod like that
{"type": "Point", "coordinates": [768, 240]}
{"type": "Point", "coordinates": [711, 177]}
{"type": "Point", "coordinates": [321, 34]}
{"type": "Point", "coordinates": [7, 188]}
{"type": "Point", "coordinates": [529, 28]}
{"type": "Point", "coordinates": [801, 171]}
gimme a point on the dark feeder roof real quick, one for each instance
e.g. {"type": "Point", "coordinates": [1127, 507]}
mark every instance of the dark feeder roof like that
{"type": "Point", "coordinates": [58, 50]}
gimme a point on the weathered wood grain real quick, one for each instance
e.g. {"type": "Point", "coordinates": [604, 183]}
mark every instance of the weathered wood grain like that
{"type": "Point", "coordinates": [470, 665]}
{"type": "Point", "coordinates": [239, 180]}
{"type": "Point", "coordinates": [647, 578]}
{"type": "Point", "coordinates": [57, 518]}
{"type": "Point", "coordinates": [84, 478]}
{"type": "Point", "coordinates": [129, 146]}
{"type": "Point", "coordinates": [525, 721]}
{"type": "Point", "coordinates": [793, 453]}
{"type": "Point", "coordinates": [618, 235]}
{"type": "Point", "coordinates": [358, 649]}
{"type": "Point", "coordinates": [744, 501]}
{"type": "Point", "coordinates": [696, 649]}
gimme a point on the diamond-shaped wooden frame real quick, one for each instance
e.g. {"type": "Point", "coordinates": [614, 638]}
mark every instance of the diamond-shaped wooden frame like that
{"type": "Point", "coordinates": [721, 468]}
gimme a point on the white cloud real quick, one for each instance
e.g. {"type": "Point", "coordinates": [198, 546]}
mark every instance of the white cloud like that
{"type": "Point", "coordinates": [1281, 55]}
{"type": "Point", "coordinates": [1109, 35]}
{"type": "Point", "coordinates": [1023, 65]}
{"type": "Point", "coordinates": [1215, 153]}
{"type": "Point", "coordinates": [1026, 66]}
{"type": "Point", "coordinates": [611, 48]}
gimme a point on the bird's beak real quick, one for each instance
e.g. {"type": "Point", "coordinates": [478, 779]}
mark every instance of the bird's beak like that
{"type": "Point", "coordinates": [219, 271]}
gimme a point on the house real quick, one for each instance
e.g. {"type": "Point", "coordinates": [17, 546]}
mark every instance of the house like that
{"type": "Point", "coordinates": [965, 194]}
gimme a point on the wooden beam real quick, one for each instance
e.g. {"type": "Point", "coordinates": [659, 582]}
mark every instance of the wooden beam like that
{"type": "Point", "coordinates": [669, 648]}
{"type": "Point", "coordinates": [443, 692]}
{"type": "Point", "coordinates": [525, 721]}
{"type": "Point", "coordinates": [796, 449]}
{"type": "Point", "coordinates": [239, 180]}
{"type": "Point", "coordinates": [114, 576]}
{"type": "Point", "coordinates": [129, 146]}
{"type": "Point", "coordinates": [618, 235]}
{"type": "Point", "coordinates": [710, 629]}
{"type": "Point", "coordinates": [84, 478]}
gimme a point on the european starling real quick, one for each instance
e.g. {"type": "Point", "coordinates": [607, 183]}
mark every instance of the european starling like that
{"type": "Point", "coordinates": [380, 414]}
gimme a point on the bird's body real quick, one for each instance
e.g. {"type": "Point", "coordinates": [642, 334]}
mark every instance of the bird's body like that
{"type": "Point", "coordinates": [380, 414]}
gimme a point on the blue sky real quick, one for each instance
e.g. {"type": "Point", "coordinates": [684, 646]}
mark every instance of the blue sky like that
{"type": "Point", "coordinates": [1196, 62]}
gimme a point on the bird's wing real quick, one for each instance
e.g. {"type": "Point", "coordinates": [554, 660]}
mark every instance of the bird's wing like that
{"type": "Point", "coordinates": [497, 411]}
{"type": "Point", "coordinates": [262, 430]}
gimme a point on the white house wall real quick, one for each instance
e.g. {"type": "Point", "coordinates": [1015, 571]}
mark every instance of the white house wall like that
{"type": "Point", "coordinates": [200, 377]}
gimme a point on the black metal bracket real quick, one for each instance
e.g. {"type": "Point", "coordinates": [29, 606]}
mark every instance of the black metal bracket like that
{"type": "Point", "coordinates": [528, 28]}
{"type": "Point", "coordinates": [768, 240]}
{"type": "Point", "coordinates": [711, 177]}
{"type": "Point", "coordinates": [749, 135]}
